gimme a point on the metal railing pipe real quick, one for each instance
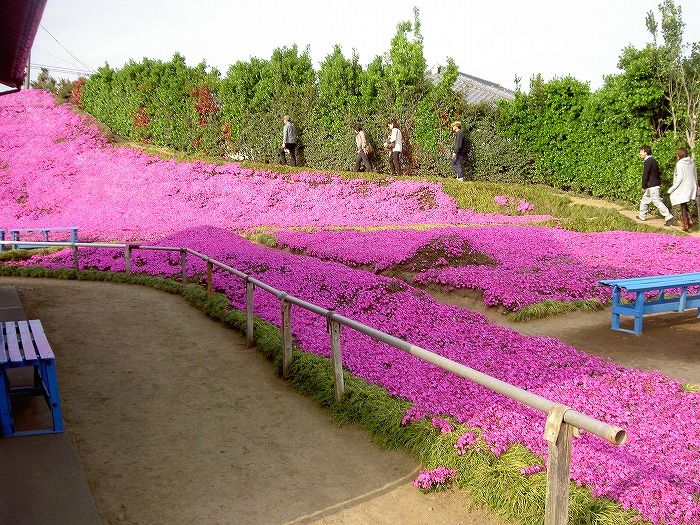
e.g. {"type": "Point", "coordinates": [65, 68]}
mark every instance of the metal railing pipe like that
{"type": "Point", "coordinates": [608, 432]}
{"type": "Point", "coordinates": [156, 248]}
{"type": "Point", "coordinates": [66, 244]}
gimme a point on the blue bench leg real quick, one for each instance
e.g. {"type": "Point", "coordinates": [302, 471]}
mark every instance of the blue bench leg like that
{"type": "Point", "coordinates": [684, 298]}
{"type": "Point", "coordinates": [615, 322]}
{"type": "Point", "coordinates": [48, 373]}
{"type": "Point", "coordinates": [638, 313]}
{"type": "Point", "coordinates": [5, 409]}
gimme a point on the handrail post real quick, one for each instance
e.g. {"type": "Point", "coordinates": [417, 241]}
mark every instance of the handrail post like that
{"type": "Point", "coordinates": [127, 258]}
{"type": "Point", "coordinates": [210, 288]}
{"type": "Point", "coordinates": [338, 381]}
{"type": "Point", "coordinates": [250, 289]}
{"type": "Point", "coordinates": [560, 436]}
{"type": "Point", "coordinates": [183, 264]}
{"type": "Point", "coordinates": [286, 335]}
{"type": "Point", "coordinates": [76, 264]}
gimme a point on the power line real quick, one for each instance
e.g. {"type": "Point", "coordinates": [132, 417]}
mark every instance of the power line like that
{"type": "Point", "coordinates": [55, 56]}
{"type": "Point", "coordinates": [67, 50]}
{"type": "Point", "coordinates": [59, 69]}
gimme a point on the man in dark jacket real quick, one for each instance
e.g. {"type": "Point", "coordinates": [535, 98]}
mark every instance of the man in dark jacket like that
{"type": "Point", "coordinates": [651, 180]}
{"type": "Point", "coordinates": [459, 152]}
{"type": "Point", "coordinates": [289, 142]}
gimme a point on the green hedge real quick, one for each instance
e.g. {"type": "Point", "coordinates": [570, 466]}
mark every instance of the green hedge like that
{"type": "Point", "coordinates": [560, 133]}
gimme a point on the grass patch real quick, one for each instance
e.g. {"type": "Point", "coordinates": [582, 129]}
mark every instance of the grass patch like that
{"type": "Point", "coordinates": [263, 238]}
{"type": "Point", "coordinates": [494, 482]}
{"type": "Point", "coordinates": [691, 388]}
{"type": "Point", "coordinates": [552, 307]}
{"type": "Point", "coordinates": [24, 254]}
{"type": "Point", "coordinates": [479, 196]}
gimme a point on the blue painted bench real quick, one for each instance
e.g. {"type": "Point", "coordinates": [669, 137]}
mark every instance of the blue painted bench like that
{"type": "Point", "coordinates": [16, 233]}
{"type": "Point", "coordinates": [642, 306]}
{"type": "Point", "coordinates": [24, 344]}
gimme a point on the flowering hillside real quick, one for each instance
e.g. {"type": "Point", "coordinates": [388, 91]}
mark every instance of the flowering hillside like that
{"type": "Point", "coordinates": [512, 266]}
{"type": "Point", "coordinates": [654, 472]}
{"type": "Point", "coordinates": [56, 169]}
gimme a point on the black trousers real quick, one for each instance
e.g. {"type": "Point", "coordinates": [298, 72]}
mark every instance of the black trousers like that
{"type": "Point", "coordinates": [291, 147]}
{"type": "Point", "coordinates": [458, 166]}
{"type": "Point", "coordinates": [395, 163]}
{"type": "Point", "coordinates": [362, 158]}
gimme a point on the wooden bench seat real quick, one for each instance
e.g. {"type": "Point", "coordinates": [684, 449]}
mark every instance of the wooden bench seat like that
{"type": "Point", "coordinates": [24, 344]}
{"type": "Point", "coordinates": [641, 305]}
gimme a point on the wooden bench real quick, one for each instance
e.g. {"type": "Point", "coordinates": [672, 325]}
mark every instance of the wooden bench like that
{"type": "Point", "coordinates": [641, 306]}
{"type": "Point", "coordinates": [24, 344]}
{"type": "Point", "coordinates": [16, 233]}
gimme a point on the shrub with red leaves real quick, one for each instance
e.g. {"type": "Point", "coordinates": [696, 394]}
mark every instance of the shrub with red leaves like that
{"type": "Point", "coordinates": [76, 96]}
{"type": "Point", "coordinates": [205, 103]}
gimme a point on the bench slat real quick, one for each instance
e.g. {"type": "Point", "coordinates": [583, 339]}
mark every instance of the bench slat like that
{"type": "Point", "coordinates": [655, 282]}
{"type": "Point", "coordinates": [27, 342]}
{"type": "Point", "coordinates": [42, 344]}
{"type": "Point", "coordinates": [12, 343]}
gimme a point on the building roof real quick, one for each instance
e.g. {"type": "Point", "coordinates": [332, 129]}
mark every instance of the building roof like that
{"type": "Point", "coordinates": [473, 89]}
{"type": "Point", "coordinates": [19, 22]}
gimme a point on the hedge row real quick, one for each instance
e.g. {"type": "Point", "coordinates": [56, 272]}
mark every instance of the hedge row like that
{"type": "Point", "coordinates": [560, 133]}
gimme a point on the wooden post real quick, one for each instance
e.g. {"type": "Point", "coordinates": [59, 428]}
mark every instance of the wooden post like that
{"type": "Point", "coordinates": [558, 468]}
{"type": "Point", "coordinates": [183, 263]}
{"type": "Point", "coordinates": [286, 337]}
{"type": "Point", "coordinates": [338, 381]}
{"type": "Point", "coordinates": [210, 288]}
{"type": "Point", "coordinates": [127, 258]}
{"type": "Point", "coordinates": [250, 289]}
{"type": "Point", "coordinates": [76, 264]}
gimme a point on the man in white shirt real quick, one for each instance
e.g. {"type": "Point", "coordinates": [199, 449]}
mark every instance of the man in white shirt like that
{"type": "Point", "coordinates": [395, 144]}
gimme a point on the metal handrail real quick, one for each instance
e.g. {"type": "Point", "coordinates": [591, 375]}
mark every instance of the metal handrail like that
{"type": "Point", "coordinates": [561, 423]}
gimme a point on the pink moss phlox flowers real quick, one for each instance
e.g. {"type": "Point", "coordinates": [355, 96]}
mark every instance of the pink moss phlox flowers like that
{"type": "Point", "coordinates": [57, 170]}
{"type": "Point", "coordinates": [654, 472]}
{"type": "Point", "coordinates": [532, 264]}
{"type": "Point", "coordinates": [445, 426]}
{"type": "Point", "coordinates": [465, 442]}
{"type": "Point", "coordinates": [431, 479]}
{"type": "Point", "coordinates": [532, 469]}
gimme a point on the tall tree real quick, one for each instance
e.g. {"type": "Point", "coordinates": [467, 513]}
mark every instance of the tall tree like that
{"type": "Point", "coordinates": [678, 69]}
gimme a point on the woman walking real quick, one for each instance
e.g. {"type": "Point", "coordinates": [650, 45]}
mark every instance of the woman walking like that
{"type": "Point", "coordinates": [363, 149]}
{"type": "Point", "coordinates": [685, 186]}
{"type": "Point", "coordinates": [394, 144]}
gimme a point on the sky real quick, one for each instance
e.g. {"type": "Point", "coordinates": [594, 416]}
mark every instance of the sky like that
{"type": "Point", "coordinates": [496, 40]}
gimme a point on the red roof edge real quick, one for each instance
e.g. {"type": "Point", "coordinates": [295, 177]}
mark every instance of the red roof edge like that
{"type": "Point", "coordinates": [18, 27]}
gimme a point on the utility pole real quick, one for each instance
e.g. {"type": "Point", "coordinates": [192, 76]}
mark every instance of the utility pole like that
{"type": "Point", "coordinates": [26, 77]}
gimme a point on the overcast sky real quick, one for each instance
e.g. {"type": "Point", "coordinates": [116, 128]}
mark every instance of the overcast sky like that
{"type": "Point", "coordinates": [495, 40]}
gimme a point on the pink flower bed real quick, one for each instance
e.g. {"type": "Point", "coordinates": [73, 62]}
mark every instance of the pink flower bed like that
{"type": "Point", "coordinates": [57, 170]}
{"type": "Point", "coordinates": [655, 472]}
{"type": "Point", "coordinates": [533, 264]}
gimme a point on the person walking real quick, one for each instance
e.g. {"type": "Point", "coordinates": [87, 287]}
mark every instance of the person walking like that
{"type": "Point", "coordinates": [458, 151]}
{"type": "Point", "coordinates": [685, 186]}
{"type": "Point", "coordinates": [363, 149]}
{"type": "Point", "coordinates": [651, 181]}
{"type": "Point", "coordinates": [394, 144]}
{"type": "Point", "coordinates": [289, 142]}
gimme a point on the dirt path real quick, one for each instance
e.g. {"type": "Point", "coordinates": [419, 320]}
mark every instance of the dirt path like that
{"type": "Point", "coordinates": [670, 342]}
{"type": "Point", "coordinates": [176, 422]}
{"type": "Point", "coordinates": [633, 214]}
